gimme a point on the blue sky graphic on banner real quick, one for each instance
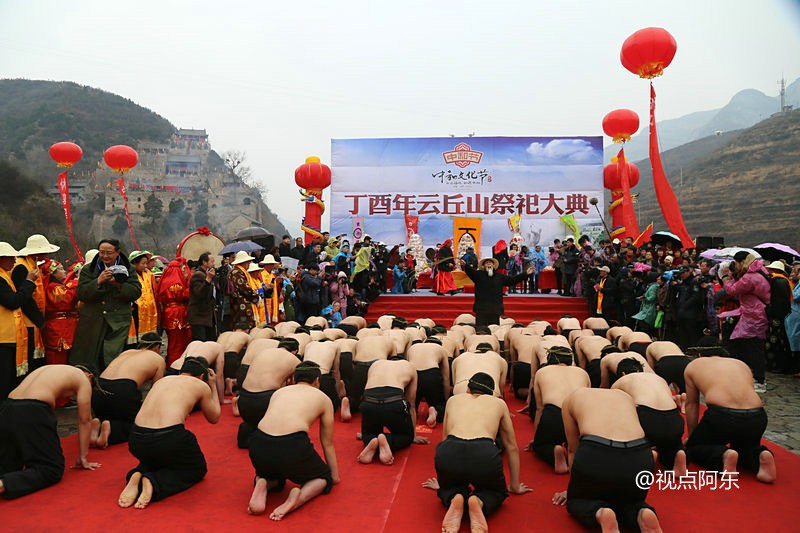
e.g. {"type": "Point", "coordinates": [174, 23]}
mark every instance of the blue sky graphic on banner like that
{"type": "Point", "coordinates": [491, 178]}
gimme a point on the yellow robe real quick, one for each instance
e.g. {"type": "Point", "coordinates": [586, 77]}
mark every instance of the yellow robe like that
{"type": "Point", "coordinates": [148, 308]}
{"type": "Point", "coordinates": [258, 308]}
{"type": "Point", "coordinates": [274, 300]}
{"type": "Point", "coordinates": [12, 326]}
{"type": "Point", "coordinates": [41, 302]}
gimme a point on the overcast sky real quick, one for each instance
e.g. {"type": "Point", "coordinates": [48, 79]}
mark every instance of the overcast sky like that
{"type": "Point", "coordinates": [278, 80]}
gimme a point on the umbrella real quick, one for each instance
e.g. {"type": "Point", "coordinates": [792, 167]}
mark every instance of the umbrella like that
{"type": "Point", "coordinates": [772, 251]}
{"type": "Point", "coordinates": [727, 253]}
{"type": "Point", "coordinates": [252, 232]}
{"type": "Point", "coordinates": [241, 246]}
{"type": "Point", "coordinates": [663, 237]}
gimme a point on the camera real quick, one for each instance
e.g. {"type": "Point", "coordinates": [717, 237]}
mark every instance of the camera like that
{"type": "Point", "coordinates": [119, 272]}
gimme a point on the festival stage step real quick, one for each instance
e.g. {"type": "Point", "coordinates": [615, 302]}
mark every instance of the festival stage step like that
{"type": "Point", "coordinates": [444, 309]}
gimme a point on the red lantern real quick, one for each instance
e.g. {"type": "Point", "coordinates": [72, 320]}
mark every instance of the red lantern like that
{"type": "Point", "coordinates": [621, 124]}
{"type": "Point", "coordinates": [313, 175]}
{"type": "Point", "coordinates": [611, 179]}
{"type": "Point", "coordinates": [121, 158]}
{"type": "Point", "coordinates": [66, 154]}
{"type": "Point", "coordinates": [648, 52]}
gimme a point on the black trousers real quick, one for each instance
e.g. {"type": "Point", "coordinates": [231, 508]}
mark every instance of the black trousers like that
{"type": "Point", "coordinates": [522, 378]}
{"type": "Point", "coordinates": [30, 450]}
{"type": "Point", "coordinates": [292, 456]}
{"type": "Point", "coordinates": [689, 331]}
{"type": "Point", "coordinates": [119, 406]}
{"type": "Point", "coordinates": [476, 463]}
{"type": "Point", "coordinates": [327, 384]}
{"type": "Point", "coordinates": [430, 386]}
{"type": "Point", "coordinates": [752, 351]}
{"type": "Point", "coordinates": [639, 347]}
{"type": "Point", "coordinates": [381, 409]}
{"type": "Point", "coordinates": [8, 369]}
{"type": "Point", "coordinates": [671, 368]}
{"type": "Point", "coordinates": [252, 408]}
{"type": "Point", "coordinates": [359, 380]}
{"type": "Point", "coordinates": [604, 475]}
{"type": "Point", "coordinates": [486, 319]}
{"type": "Point", "coordinates": [720, 426]}
{"type": "Point", "coordinates": [203, 333]}
{"type": "Point", "coordinates": [593, 369]}
{"type": "Point", "coordinates": [549, 433]}
{"type": "Point", "coordinates": [169, 457]}
{"type": "Point", "coordinates": [664, 430]}
{"type": "Point", "coordinates": [346, 368]}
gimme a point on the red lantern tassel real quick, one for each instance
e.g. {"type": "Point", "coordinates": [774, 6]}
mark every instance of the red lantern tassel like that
{"type": "Point", "coordinates": [628, 214]}
{"type": "Point", "coordinates": [121, 184]}
{"type": "Point", "coordinates": [63, 191]}
{"type": "Point", "coordinates": [666, 198]}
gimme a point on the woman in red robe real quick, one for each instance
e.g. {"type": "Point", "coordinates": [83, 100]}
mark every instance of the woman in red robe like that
{"type": "Point", "coordinates": [61, 314]}
{"type": "Point", "coordinates": [445, 264]}
{"type": "Point", "coordinates": [172, 294]}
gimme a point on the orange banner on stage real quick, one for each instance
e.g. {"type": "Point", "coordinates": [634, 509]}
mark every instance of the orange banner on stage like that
{"type": "Point", "coordinates": [466, 232]}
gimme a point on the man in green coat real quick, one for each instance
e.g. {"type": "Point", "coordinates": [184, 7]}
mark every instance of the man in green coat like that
{"type": "Point", "coordinates": [108, 286]}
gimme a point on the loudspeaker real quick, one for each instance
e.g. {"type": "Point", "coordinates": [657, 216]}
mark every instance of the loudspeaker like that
{"type": "Point", "coordinates": [718, 242]}
{"type": "Point", "coordinates": [704, 242]}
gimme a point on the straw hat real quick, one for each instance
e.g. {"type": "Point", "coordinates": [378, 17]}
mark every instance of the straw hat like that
{"type": "Point", "coordinates": [254, 267]}
{"type": "Point", "coordinates": [777, 265]}
{"type": "Point", "coordinates": [241, 257]}
{"type": "Point", "coordinates": [38, 244]}
{"type": "Point", "coordinates": [90, 255]}
{"type": "Point", "coordinates": [482, 264]}
{"type": "Point", "coordinates": [6, 250]}
{"type": "Point", "coordinates": [269, 260]}
{"type": "Point", "coordinates": [136, 254]}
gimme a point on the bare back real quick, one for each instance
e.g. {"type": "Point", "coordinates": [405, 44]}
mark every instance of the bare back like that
{"type": "Point", "coordinates": [553, 383]}
{"type": "Point", "coordinates": [566, 323]}
{"type": "Point", "coordinates": [474, 416]}
{"type": "Point", "coordinates": [576, 334]}
{"type": "Point", "coordinates": [209, 350]}
{"type": "Point", "coordinates": [284, 328]}
{"type": "Point", "coordinates": [468, 364]}
{"type": "Point", "coordinates": [386, 373]}
{"type": "Point", "coordinates": [525, 347]}
{"type": "Point", "coordinates": [425, 355]}
{"type": "Point", "coordinates": [171, 399]}
{"type": "Point", "coordinates": [372, 348]}
{"type": "Point", "coordinates": [605, 413]}
{"type": "Point", "coordinates": [269, 369]}
{"type": "Point", "coordinates": [595, 322]}
{"type": "Point", "coordinates": [53, 382]}
{"type": "Point", "coordinates": [473, 341]}
{"type": "Point", "coordinates": [325, 354]}
{"type": "Point", "coordinates": [646, 389]}
{"type": "Point", "coordinates": [547, 342]}
{"type": "Point", "coordinates": [262, 333]}
{"type": "Point", "coordinates": [538, 327]}
{"type": "Point", "coordinates": [631, 337]}
{"type": "Point", "coordinates": [658, 349]}
{"type": "Point", "coordinates": [589, 348]}
{"type": "Point", "coordinates": [295, 408]}
{"type": "Point", "coordinates": [233, 341]}
{"type": "Point", "coordinates": [399, 339]}
{"type": "Point", "coordinates": [358, 321]}
{"type": "Point", "coordinates": [368, 332]}
{"type": "Point", "coordinates": [723, 381]}
{"type": "Point", "coordinates": [302, 339]}
{"type": "Point", "coordinates": [615, 332]}
{"type": "Point", "coordinates": [137, 365]}
{"type": "Point", "coordinates": [464, 318]}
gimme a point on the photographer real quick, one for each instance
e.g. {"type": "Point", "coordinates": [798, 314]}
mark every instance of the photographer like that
{"type": "Point", "coordinates": [107, 287]}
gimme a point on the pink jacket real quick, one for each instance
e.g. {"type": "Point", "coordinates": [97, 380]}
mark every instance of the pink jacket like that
{"type": "Point", "coordinates": [753, 293]}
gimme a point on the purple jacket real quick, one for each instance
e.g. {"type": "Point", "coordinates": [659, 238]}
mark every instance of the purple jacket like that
{"type": "Point", "coordinates": [753, 293]}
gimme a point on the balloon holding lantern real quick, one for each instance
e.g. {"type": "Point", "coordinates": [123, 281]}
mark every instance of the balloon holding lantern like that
{"type": "Point", "coordinates": [648, 52]}
{"type": "Point", "coordinates": [66, 154]}
{"type": "Point", "coordinates": [312, 176]}
{"type": "Point", "coordinates": [121, 158]}
{"type": "Point", "coordinates": [621, 125]}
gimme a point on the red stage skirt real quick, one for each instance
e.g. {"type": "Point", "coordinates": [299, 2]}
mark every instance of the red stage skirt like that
{"type": "Point", "coordinates": [444, 283]}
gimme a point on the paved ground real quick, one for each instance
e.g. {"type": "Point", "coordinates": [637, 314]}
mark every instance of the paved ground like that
{"type": "Point", "coordinates": [782, 401]}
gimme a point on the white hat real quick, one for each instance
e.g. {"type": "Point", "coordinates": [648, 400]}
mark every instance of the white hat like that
{"type": "Point", "coordinates": [90, 255]}
{"type": "Point", "coordinates": [615, 241]}
{"type": "Point", "coordinates": [268, 260]}
{"type": "Point", "coordinates": [777, 265]}
{"type": "Point", "coordinates": [241, 257]}
{"type": "Point", "coordinates": [604, 269]}
{"type": "Point", "coordinates": [6, 250]}
{"type": "Point", "coordinates": [38, 244]}
{"type": "Point", "coordinates": [669, 259]}
{"type": "Point", "coordinates": [341, 275]}
{"type": "Point", "coordinates": [254, 267]}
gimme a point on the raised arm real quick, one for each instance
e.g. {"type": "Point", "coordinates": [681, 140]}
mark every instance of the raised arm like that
{"type": "Point", "coordinates": [512, 452]}
{"type": "Point", "coordinates": [692, 404]}
{"type": "Point", "coordinates": [84, 398]}
{"type": "Point", "coordinates": [209, 403]}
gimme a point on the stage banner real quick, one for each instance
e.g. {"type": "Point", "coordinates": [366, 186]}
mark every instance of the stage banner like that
{"type": "Point", "coordinates": [466, 233]}
{"type": "Point", "coordinates": [490, 178]}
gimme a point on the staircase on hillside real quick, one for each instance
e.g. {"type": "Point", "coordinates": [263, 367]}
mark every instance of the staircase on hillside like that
{"type": "Point", "coordinates": [444, 309]}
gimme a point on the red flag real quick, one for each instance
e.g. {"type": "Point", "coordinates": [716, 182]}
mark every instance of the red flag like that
{"type": "Point", "coordinates": [628, 214]}
{"type": "Point", "coordinates": [666, 198]}
{"type": "Point", "coordinates": [63, 191]}
{"type": "Point", "coordinates": [644, 236]}
{"type": "Point", "coordinates": [412, 226]}
{"type": "Point", "coordinates": [121, 184]}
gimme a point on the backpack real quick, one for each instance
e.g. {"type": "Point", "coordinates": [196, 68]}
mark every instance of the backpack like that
{"type": "Point", "coordinates": [775, 310]}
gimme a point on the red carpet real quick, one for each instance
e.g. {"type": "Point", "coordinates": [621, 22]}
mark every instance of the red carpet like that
{"type": "Point", "coordinates": [444, 309]}
{"type": "Point", "coordinates": [370, 498]}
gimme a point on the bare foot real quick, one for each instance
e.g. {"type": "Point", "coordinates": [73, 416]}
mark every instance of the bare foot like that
{"type": "Point", "coordinates": [384, 451]}
{"type": "Point", "coordinates": [431, 417]}
{"type": "Point", "coordinates": [607, 520]}
{"type": "Point", "coordinates": [477, 522]}
{"type": "Point", "coordinates": [767, 471]}
{"type": "Point", "coordinates": [367, 455]}
{"type": "Point", "coordinates": [680, 464]}
{"type": "Point", "coordinates": [258, 501]}
{"type": "Point", "coordinates": [131, 491]}
{"type": "Point", "coordinates": [648, 521]}
{"type": "Point", "coordinates": [145, 495]}
{"type": "Point", "coordinates": [94, 433]}
{"type": "Point", "coordinates": [235, 405]}
{"type": "Point", "coordinates": [228, 387]}
{"type": "Point", "coordinates": [430, 483]}
{"type": "Point", "coordinates": [561, 459]}
{"type": "Point", "coordinates": [105, 431]}
{"type": "Point", "coordinates": [452, 519]}
{"type": "Point", "coordinates": [226, 401]}
{"type": "Point", "coordinates": [344, 412]}
{"type": "Point", "coordinates": [286, 507]}
{"type": "Point", "coordinates": [729, 460]}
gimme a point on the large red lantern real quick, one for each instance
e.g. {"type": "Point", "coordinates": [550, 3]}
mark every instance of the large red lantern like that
{"type": "Point", "coordinates": [312, 176]}
{"type": "Point", "coordinates": [611, 177]}
{"type": "Point", "coordinates": [648, 52]}
{"type": "Point", "coordinates": [121, 158]}
{"type": "Point", "coordinates": [66, 154]}
{"type": "Point", "coordinates": [621, 124]}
